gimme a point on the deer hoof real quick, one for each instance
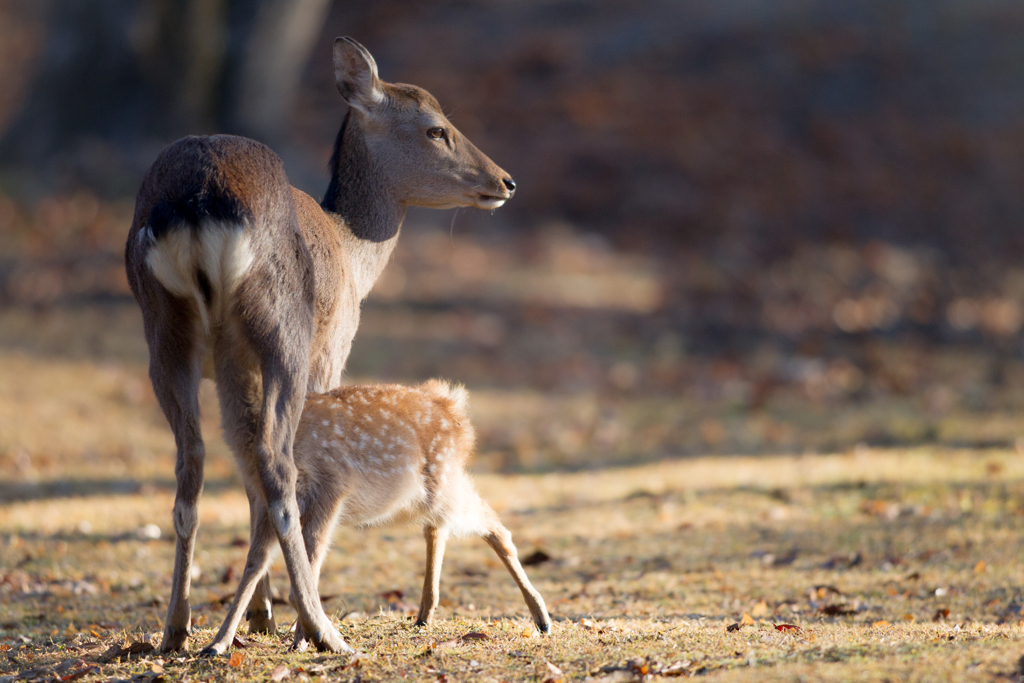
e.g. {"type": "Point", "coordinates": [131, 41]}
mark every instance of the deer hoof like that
{"type": "Point", "coordinates": [174, 640]}
{"type": "Point", "coordinates": [330, 641]}
{"type": "Point", "coordinates": [211, 651]}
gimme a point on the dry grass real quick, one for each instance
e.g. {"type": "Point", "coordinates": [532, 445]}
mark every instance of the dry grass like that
{"type": "Point", "coordinates": [864, 551]}
{"type": "Point", "coordinates": [649, 563]}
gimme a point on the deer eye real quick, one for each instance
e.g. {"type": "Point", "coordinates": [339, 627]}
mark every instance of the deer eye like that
{"type": "Point", "coordinates": [436, 133]}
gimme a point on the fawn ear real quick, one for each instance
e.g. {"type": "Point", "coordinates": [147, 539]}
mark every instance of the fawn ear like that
{"type": "Point", "coordinates": [355, 72]}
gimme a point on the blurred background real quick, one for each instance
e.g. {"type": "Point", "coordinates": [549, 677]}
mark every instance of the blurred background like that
{"type": "Point", "coordinates": [754, 226]}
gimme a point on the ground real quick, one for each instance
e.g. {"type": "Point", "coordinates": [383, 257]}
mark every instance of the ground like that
{"type": "Point", "coordinates": [764, 515]}
{"type": "Point", "coordinates": [870, 564]}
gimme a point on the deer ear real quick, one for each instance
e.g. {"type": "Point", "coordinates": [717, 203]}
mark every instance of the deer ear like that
{"type": "Point", "coordinates": [356, 74]}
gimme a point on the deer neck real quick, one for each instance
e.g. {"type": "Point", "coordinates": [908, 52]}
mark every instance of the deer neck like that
{"type": "Point", "coordinates": [361, 197]}
{"type": "Point", "coordinates": [367, 260]}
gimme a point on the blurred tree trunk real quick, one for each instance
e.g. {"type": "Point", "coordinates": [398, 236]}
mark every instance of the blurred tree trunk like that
{"type": "Point", "coordinates": [113, 77]}
{"type": "Point", "coordinates": [203, 43]}
{"type": "Point", "coordinates": [272, 59]}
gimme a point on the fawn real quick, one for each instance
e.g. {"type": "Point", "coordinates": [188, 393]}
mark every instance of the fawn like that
{"type": "Point", "coordinates": [370, 455]}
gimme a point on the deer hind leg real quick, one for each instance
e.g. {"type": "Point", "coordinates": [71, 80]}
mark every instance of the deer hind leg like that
{"type": "Point", "coordinates": [436, 538]}
{"type": "Point", "coordinates": [256, 564]}
{"type": "Point", "coordinates": [262, 435]}
{"type": "Point", "coordinates": [176, 372]}
{"type": "Point", "coordinates": [500, 539]}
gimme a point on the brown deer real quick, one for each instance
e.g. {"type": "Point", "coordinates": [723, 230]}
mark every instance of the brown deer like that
{"type": "Point", "coordinates": [384, 454]}
{"type": "Point", "coordinates": [244, 279]}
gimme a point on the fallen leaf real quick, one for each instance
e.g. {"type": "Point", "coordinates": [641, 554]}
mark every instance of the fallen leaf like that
{"type": "Point", "coordinates": [396, 603]}
{"type": "Point", "coordinates": [676, 668]}
{"type": "Point", "coordinates": [445, 644]}
{"type": "Point", "coordinates": [842, 561]}
{"type": "Point", "coordinates": [236, 659]}
{"type": "Point", "coordinates": [615, 675]}
{"type": "Point", "coordinates": [66, 666]}
{"type": "Point", "coordinates": [280, 673]}
{"type": "Point", "coordinates": [81, 673]}
{"type": "Point", "coordinates": [536, 557]}
{"type": "Point", "coordinates": [980, 567]}
{"type": "Point", "coordinates": [639, 666]}
{"type": "Point", "coordinates": [761, 609]}
{"type": "Point", "coordinates": [787, 627]}
{"type": "Point", "coordinates": [475, 635]}
{"type": "Point", "coordinates": [836, 610]}
{"type": "Point", "coordinates": [881, 623]}
{"type": "Point", "coordinates": [823, 591]}
{"type": "Point", "coordinates": [124, 651]}
{"type": "Point", "coordinates": [940, 614]}
{"type": "Point", "coordinates": [555, 674]}
{"type": "Point", "coordinates": [733, 627]}
{"type": "Point", "coordinates": [747, 620]}
{"type": "Point", "coordinates": [909, 617]}
{"type": "Point", "coordinates": [239, 641]}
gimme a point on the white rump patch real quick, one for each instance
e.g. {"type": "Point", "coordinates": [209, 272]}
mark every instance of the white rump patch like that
{"type": "Point", "coordinates": [222, 251]}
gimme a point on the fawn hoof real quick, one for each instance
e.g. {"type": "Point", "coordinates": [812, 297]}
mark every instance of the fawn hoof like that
{"type": "Point", "coordinates": [174, 640]}
{"type": "Point", "coordinates": [544, 626]}
{"type": "Point", "coordinates": [420, 622]}
{"type": "Point", "coordinates": [261, 622]}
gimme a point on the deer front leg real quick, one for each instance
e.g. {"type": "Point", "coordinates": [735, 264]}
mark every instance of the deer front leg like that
{"type": "Point", "coordinates": [256, 564]}
{"type": "Point", "coordinates": [500, 540]}
{"type": "Point", "coordinates": [436, 541]}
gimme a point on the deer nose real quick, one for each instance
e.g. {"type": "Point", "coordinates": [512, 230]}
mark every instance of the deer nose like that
{"type": "Point", "coordinates": [510, 184]}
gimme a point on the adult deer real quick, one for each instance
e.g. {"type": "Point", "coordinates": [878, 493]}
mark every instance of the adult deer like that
{"type": "Point", "coordinates": [244, 279]}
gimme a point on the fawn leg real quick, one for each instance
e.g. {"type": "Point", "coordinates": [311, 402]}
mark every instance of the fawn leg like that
{"type": "Point", "coordinates": [436, 541]}
{"type": "Point", "coordinates": [256, 564]}
{"type": "Point", "coordinates": [175, 371]}
{"type": "Point", "coordinates": [500, 539]}
{"type": "Point", "coordinates": [260, 614]}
